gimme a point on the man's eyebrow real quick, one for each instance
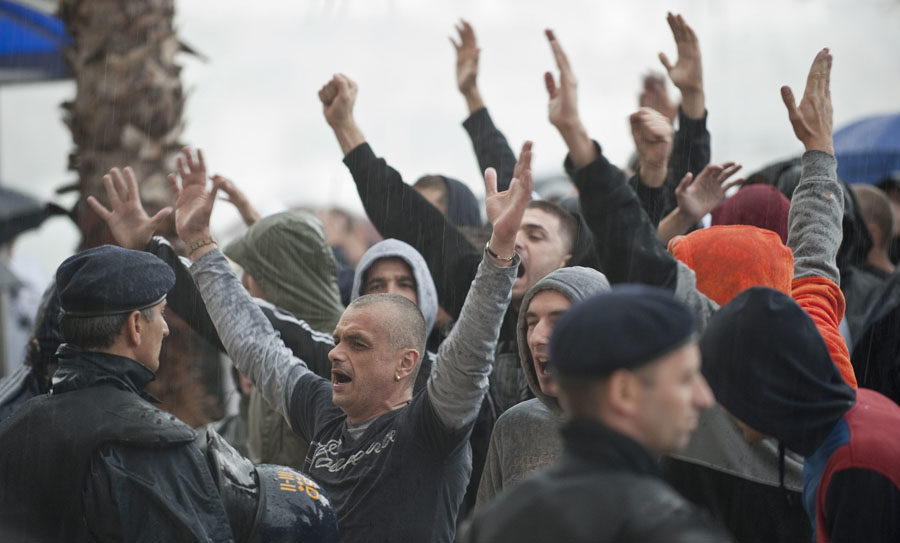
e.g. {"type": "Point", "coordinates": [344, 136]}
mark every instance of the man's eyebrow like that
{"type": "Point", "coordinates": [531, 226]}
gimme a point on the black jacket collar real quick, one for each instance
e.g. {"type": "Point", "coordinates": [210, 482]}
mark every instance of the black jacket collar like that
{"type": "Point", "coordinates": [79, 368]}
{"type": "Point", "coordinates": [598, 444]}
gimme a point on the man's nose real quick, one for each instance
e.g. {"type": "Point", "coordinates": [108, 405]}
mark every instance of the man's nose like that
{"type": "Point", "coordinates": [703, 395]}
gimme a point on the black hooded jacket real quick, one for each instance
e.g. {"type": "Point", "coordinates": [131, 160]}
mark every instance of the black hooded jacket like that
{"type": "Point", "coordinates": [770, 368]}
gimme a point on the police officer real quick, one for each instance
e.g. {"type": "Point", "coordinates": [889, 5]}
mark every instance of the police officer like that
{"type": "Point", "coordinates": [95, 461]}
{"type": "Point", "coordinates": [628, 371]}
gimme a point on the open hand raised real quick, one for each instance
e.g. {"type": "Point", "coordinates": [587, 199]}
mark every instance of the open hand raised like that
{"type": "Point", "coordinates": [812, 119]}
{"type": "Point", "coordinates": [130, 225]}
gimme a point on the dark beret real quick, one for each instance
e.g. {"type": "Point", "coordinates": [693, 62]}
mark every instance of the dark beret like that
{"type": "Point", "coordinates": [625, 327]}
{"type": "Point", "coordinates": [109, 280]}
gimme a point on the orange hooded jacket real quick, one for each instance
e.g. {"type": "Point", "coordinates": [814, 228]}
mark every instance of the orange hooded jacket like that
{"type": "Point", "coordinates": [729, 259]}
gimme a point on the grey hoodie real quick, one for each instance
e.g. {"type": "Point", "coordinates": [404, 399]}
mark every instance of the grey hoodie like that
{"type": "Point", "coordinates": [394, 248]}
{"type": "Point", "coordinates": [526, 437]}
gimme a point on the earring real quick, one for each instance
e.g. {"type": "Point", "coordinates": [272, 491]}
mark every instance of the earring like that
{"type": "Point", "coordinates": [396, 377]}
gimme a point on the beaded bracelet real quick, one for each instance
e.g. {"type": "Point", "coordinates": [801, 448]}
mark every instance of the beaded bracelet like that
{"type": "Point", "coordinates": [200, 243]}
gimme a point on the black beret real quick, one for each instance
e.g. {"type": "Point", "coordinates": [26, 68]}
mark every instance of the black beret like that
{"type": "Point", "coordinates": [626, 327]}
{"type": "Point", "coordinates": [109, 280]}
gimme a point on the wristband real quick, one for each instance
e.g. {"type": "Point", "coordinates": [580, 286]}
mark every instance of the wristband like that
{"type": "Point", "coordinates": [487, 247]}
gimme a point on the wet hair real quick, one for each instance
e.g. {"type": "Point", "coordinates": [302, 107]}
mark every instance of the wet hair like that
{"type": "Point", "coordinates": [875, 208]}
{"type": "Point", "coordinates": [568, 224]}
{"type": "Point", "coordinates": [405, 323]}
{"type": "Point", "coordinates": [96, 332]}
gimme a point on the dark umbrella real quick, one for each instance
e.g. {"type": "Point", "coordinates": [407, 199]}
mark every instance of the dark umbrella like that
{"type": "Point", "coordinates": [868, 150]}
{"type": "Point", "coordinates": [20, 212]}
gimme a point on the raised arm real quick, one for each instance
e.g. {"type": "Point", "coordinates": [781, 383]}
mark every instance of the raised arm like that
{"type": "Point", "coordinates": [691, 145]}
{"type": "Point", "coordinates": [697, 197]}
{"type": "Point", "coordinates": [395, 208]}
{"type": "Point", "coordinates": [817, 208]}
{"type": "Point", "coordinates": [625, 238]}
{"type": "Point", "coordinates": [491, 148]}
{"type": "Point", "coordinates": [251, 342]}
{"type": "Point", "coordinates": [131, 227]}
{"type": "Point", "coordinates": [459, 376]}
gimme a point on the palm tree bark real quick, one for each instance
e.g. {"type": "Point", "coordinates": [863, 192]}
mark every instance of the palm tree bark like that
{"type": "Point", "coordinates": [128, 110]}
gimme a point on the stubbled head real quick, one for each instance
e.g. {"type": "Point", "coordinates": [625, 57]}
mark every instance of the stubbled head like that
{"type": "Point", "coordinates": [379, 342]}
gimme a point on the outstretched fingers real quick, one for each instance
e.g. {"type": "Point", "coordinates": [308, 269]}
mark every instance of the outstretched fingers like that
{"type": "Point", "coordinates": [99, 208]}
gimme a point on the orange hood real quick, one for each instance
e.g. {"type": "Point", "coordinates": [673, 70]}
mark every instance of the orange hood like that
{"type": "Point", "coordinates": [730, 259]}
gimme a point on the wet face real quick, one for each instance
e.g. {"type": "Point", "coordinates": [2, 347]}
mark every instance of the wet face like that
{"type": "Point", "coordinates": [152, 335]}
{"type": "Point", "coordinates": [672, 393]}
{"type": "Point", "coordinates": [541, 246]}
{"type": "Point", "coordinates": [544, 309]}
{"type": "Point", "coordinates": [391, 275]}
{"type": "Point", "coordinates": [363, 364]}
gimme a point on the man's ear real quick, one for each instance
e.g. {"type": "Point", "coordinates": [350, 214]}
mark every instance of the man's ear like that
{"type": "Point", "coordinates": [565, 260]}
{"type": "Point", "coordinates": [623, 392]}
{"type": "Point", "coordinates": [133, 328]}
{"type": "Point", "coordinates": [408, 362]}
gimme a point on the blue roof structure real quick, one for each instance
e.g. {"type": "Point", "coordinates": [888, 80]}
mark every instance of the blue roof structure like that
{"type": "Point", "coordinates": [31, 44]}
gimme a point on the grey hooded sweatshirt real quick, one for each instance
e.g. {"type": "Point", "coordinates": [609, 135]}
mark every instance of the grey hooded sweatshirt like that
{"type": "Point", "coordinates": [526, 437]}
{"type": "Point", "coordinates": [425, 289]}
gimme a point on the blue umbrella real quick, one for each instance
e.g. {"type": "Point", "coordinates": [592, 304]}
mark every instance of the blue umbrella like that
{"type": "Point", "coordinates": [868, 150]}
{"type": "Point", "coordinates": [31, 44]}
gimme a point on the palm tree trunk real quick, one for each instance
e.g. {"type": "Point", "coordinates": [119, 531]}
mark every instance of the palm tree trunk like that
{"type": "Point", "coordinates": [127, 111]}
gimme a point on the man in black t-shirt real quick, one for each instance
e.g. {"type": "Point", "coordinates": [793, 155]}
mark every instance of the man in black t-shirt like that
{"type": "Point", "coordinates": [394, 464]}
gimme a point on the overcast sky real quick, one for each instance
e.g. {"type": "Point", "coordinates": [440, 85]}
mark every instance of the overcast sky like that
{"type": "Point", "coordinates": [253, 107]}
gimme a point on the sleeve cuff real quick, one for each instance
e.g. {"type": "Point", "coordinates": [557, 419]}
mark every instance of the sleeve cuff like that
{"type": "Point", "coordinates": [819, 164]}
{"type": "Point", "coordinates": [360, 153]}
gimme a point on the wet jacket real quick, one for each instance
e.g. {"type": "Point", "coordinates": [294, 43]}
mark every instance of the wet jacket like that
{"type": "Point", "coordinates": [526, 437]}
{"type": "Point", "coordinates": [77, 464]}
{"type": "Point", "coordinates": [606, 487]}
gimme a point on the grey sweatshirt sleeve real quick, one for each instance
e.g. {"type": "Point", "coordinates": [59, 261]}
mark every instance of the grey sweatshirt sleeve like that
{"type": "Point", "coordinates": [459, 376]}
{"type": "Point", "coordinates": [814, 222]}
{"type": "Point", "coordinates": [248, 336]}
{"type": "Point", "coordinates": [686, 291]}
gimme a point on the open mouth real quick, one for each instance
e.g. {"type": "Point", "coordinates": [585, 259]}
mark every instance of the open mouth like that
{"type": "Point", "coordinates": [338, 377]}
{"type": "Point", "coordinates": [521, 271]}
{"type": "Point", "coordinates": [542, 365]}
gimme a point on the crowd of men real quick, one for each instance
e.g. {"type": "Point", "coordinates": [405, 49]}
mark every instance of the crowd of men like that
{"type": "Point", "coordinates": [602, 368]}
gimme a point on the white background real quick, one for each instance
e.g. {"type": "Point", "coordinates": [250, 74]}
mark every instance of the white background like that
{"type": "Point", "coordinates": [253, 107]}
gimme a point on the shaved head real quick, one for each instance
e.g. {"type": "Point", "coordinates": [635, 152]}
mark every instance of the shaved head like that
{"type": "Point", "coordinates": [403, 320]}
